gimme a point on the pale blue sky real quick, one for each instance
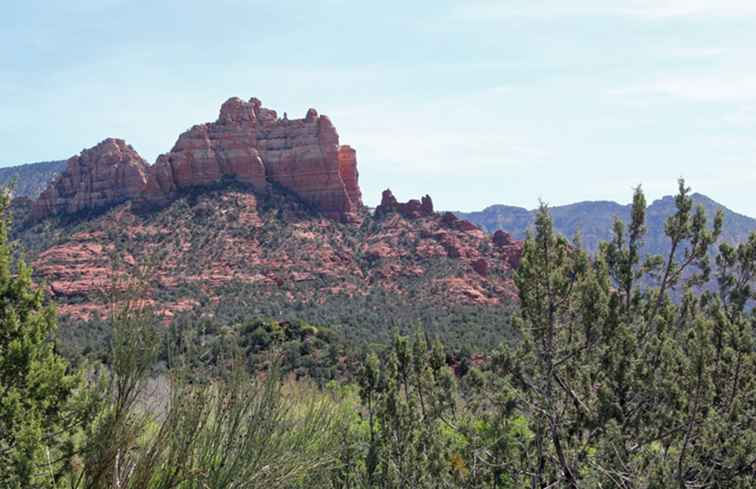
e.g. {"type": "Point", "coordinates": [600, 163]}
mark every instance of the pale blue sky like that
{"type": "Point", "coordinates": [475, 102]}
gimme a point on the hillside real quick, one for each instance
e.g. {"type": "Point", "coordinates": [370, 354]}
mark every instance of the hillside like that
{"type": "Point", "coordinates": [594, 221]}
{"type": "Point", "coordinates": [255, 215]}
{"type": "Point", "coordinates": [229, 254]}
{"type": "Point", "coordinates": [32, 178]}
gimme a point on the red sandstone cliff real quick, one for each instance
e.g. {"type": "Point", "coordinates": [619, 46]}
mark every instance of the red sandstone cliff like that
{"type": "Point", "coordinates": [406, 252]}
{"type": "Point", "coordinates": [106, 174]}
{"type": "Point", "coordinates": [247, 142]}
{"type": "Point", "coordinates": [207, 152]}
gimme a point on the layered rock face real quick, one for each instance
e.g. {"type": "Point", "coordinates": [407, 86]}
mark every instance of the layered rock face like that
{"type": "Point", "coordinates": [207, 152]}
{"type": "Point", "coordinates": [254, 145]}
{"type": "Point", "coordinates": [247, 142]}
{"type": "Point", "coordinates": [106, 174]}
{"type": "Point", "coordinates": [349, 174]}
{"type": "Point", "coordinates": [510, 249]}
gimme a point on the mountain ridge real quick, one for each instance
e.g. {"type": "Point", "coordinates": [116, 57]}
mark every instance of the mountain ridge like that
{"type": "Point", "coordinates": [698, 196]}
{"type": "Point", "coordinates": [593, 217]}
{"type": "Point", "coordinates": [31, 179]}
{"type": "Point", "coordinates": [594, 220]}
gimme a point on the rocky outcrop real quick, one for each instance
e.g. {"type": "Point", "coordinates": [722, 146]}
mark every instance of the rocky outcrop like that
{"type": "Point", "coordinates": [510, 249]}
{"type": "Point", "coordinates": [349, 173]}
{"type": "Point", "coordinates": [255, 146]}
{"type": "Point", "coordinates": [453, 222]}
{"type": "Point", "coordinates": [207, 152]}
{"type": "Point", "coordinates": [247, 142]}
{"type": "Point", "coordinates": [412, 209]}
{"type": "Point", "coordinates": [106, 174]}
{"type": "Point", "coordinates": [502, 238]}
{"type": "Point", "coordinates": [481, 266]}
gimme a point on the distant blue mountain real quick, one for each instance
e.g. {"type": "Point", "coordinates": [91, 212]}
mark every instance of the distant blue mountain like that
{"type": "Point", "coordinates": [594, 221]}
{"type": "Point", "coordinates": [31, 179]}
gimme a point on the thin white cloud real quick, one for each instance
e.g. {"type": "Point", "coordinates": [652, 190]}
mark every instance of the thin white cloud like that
{"type": "Point", "coordinates": [450, 136]}
{"type": "Point", "coordinates": [743, 116]}
{"type": "Point", "coordinates": [702, 88]}
{"type": "Point", "coordinates": [689, 8]}
{"type": "Point", "coordinates": [692, 53]}
{"type": "Point", "coordinates": [650, 9]}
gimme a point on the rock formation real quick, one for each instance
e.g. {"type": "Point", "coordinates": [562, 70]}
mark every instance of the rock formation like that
{"type": "Point", "coordinates": [411, 209]}
{"type": "Point", "coordinates": [207, 152]}
{"type": "Point", "coordinates": [348, 172]}
{"type": "Point", "coordinates": [255, 146]}
{"type": "Point", "coordinates": [414, 209]}
{"type": "Point", "coordinates": [247, 142]}
{"type": "Point", "coordinates": [481, 266]}
{"type": "Point", "coordinates": [502, 238]}
{"type": "Point", "coordinates": [106, 174]}
{"type": "Point", "coordinates": [510, 249]}
{"type": "Point", "coordinates": [451, 221]}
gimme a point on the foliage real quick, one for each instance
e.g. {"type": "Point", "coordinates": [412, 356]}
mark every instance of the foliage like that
{"type": "Point", "coordinates": [41, 404]}
{"type": "Point", "coordinates": [407, 399]}
{"type": "Point", "coordinates": [224, 430]}
{"type": "Point", "coordinates": [623, 387]}
{"type": "Point", "coordinates": [299, 348]}
{"type": "Point", "coordinates": [594, 221]}
{"type": "Point", "coordinates": [609, 382]}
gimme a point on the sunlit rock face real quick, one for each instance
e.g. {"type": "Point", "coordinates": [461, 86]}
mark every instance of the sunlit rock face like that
{"type": "Point", "coordinates": [252, 144]}
{"type": "Point", "coordinates": [247, 142]}
{"type": "Point", "coordinates": [106, 174]}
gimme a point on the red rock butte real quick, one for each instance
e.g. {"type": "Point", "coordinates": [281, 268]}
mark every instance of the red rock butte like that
{"type": "Point", "coordinates": [247, 142]}
{"type": "Point", "coordinates": [107, 174]}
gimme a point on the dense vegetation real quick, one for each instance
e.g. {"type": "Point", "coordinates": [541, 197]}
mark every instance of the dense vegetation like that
{"type": "Point", "coordinates": [606, 383]}
{"type": "Point", "coordinates": [211, 226]}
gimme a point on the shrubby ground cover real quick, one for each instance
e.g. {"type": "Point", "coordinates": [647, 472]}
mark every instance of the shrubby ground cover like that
{"type": "Point", "coordinates": [601, 381]}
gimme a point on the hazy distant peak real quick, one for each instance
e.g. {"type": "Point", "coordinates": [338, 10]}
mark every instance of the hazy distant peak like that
{"type": "Point", "coordinates": [594, 220]}
{"type": "Point", "coordinates": [31, 178]}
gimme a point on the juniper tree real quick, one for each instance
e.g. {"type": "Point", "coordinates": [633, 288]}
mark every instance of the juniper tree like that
{"type": "Point", "coordinates": [629, 372]}
{"type": "Point", "coordinates": [719, 441]}
{"type": "Point", "coordinates": [410, 399]}
{"type": "Point", "coordinates": [39, 405]}
{"type": "Point", "coordinates": [552, 277]}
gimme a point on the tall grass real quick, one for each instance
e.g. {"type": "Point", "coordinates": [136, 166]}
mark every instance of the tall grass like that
{"type": "Point", "coordinates": [231, 430]}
